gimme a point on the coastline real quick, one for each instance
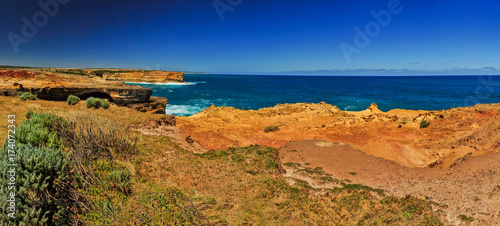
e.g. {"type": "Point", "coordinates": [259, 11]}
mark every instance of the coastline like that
{"type": "Point", "coordinates": [401, 152]}
{"type": "Point", "coordinates": [305, 122]}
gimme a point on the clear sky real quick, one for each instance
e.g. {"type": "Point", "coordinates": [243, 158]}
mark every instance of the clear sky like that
{"type": "Point", "coordinates": [257, 36]}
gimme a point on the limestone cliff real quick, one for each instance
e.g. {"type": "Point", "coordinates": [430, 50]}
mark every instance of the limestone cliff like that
{"type": "Point", "coordinates": [146, 76]}
{"type": "Point", "coordinates": [56, 86]}
{"type": "Point", "coordinates": [126, 75]}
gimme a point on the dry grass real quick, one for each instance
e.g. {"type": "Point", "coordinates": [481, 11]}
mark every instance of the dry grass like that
{"type": "Point", "coordinates": [244, 186]}
{"type": "Point", "coordinates": [95, 136]}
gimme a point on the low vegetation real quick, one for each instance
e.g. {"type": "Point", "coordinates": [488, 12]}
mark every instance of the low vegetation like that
{"type": "Point", "coordinates": [465, 218]}
{"type": "Point", "coordinates": [72, 99]}
{"type": "Point", "coordinates": [41, 130]}
{"type": "Point", "coordinates": [271, 129]}
{"type": "Point", "coordinates": [72, 71]}
{"type": "Point", "coordinates": [111, 71]}
{"type": "Point", "coordinates": [96, 103]}
{"type": "Point", "coordinates": [424, 124]}
{"type": "Point", "coordinates": [47, 194]}
{"type": "Point", "coordinates": [27, 96]}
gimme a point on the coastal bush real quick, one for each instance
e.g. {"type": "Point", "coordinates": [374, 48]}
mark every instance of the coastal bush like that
{"type": "Point", "coordinates": [45, 187]}
{"type": "Point", "coordinates": [465, 218]}
{"type": "Point", "coordinates": [424, 124]}
{"type": "Point", "coordinates": [93, 102]}
{"type": "Point", "coordinates": [72, 99]}
{"type": "Point", "coordinates": [271, 129]}
{"type": "Point", "coordinates": [29, 114]}
{"type": "Point", "coordinates": [120, 180]}
{"type": "Point", "coordinates": [41, 130]}
{"type": "Point", "coordinates": [27, 96]}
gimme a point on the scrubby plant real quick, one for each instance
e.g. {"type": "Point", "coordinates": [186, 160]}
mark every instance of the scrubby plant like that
{"type": "Point", "coordinates": [29, 114]}
{"type": "Point", "coordinates": [271, 129]}
{"type": "Point", "coordinates": [465, 218]}
{"type": "Point", "coordinates": [424, 124]}
{"type": "Point", "coordinates": [45, 191]}
{"type": "Point", "coordinates": [120, 180]}
{"type": "Point", "coordinates": [93, 137]}
{"type": "Point", "coordinates": [104, 104]}
{"type": "Point", "coordinates": [27, 96]}
{"type": "Point", "coordinates": [93, 102]}
{"type": "Point", "coordinates": [41, 130]}
{"type": "Point", "coordinates": [72, 99]}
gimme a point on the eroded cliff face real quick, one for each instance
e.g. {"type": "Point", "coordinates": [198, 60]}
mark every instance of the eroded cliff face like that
{"type": "Point", "coordinates": [126, 75]}
{"type": "Point", "coordinates": [146, 76]}
{"type": "Point", "coordinates": [56, 86]}
{"type": "Point", "coordinates": [395, 135]}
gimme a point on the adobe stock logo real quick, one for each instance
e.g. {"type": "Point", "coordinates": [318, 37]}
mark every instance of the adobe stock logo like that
{"type": "Point", "coordinates": [372, 29]}
{"type": "Point", "coordinates": [482, 92]}
{"type": "Point", "coordinates": [50, 8]}
{"type": "Point", "coordinates": [222, 7]}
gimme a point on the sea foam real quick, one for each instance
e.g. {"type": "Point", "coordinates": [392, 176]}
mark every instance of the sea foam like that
{"type": "Point", "coordinates": [182, 110]}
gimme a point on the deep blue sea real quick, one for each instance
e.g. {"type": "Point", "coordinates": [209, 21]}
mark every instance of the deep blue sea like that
{"type": "Point", "coordinates": [352, 93]}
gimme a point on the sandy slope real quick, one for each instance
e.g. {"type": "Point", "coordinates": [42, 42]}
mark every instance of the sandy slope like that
{"type": "Point", "coordinates": [471, 187]}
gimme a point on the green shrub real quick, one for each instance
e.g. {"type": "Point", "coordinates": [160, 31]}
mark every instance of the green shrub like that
{"type": "Point", "coordinates": [41, 130]}
{"type": "Point", "coordinates": [120, 180]}
{"type": "Point", "coordinates": [424, 124]}
{"type": "Point", "coordinates": [271, 129]}
{"type": "Point", "coordinates": [104, 104]}
{"type": "Point", "coordinates": [29, 114]}
{"type": "Point", "coordinates": [27, 96]}
{"type": "Point", "coordinates": [93, 102]}
{"type": "Point", "coordinates": [465, 218]}
{"type": "Point", "coordinates": [44, 190]}
{"type": "Point", "coordinates": [72, 99]}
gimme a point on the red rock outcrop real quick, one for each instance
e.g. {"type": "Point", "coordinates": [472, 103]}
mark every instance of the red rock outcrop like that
{"type": "Point", "coordinates": [395, 135]}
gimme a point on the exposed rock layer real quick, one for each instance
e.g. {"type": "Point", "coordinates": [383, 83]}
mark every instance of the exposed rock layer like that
{"type": "Point", "coordinates": [58, 84]}
{"type": "Point", "coordinates": [395, 135]}
{"type": "Point", "coordinates": [146, 76]}
{"type": "Point", "coordinates": [127, 75]}
{"type": "Point", "coordinates": [155, 105]}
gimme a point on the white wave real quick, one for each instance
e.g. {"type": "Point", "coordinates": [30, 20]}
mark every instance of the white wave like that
{"type": "Point", "coordinates": [163, 84]}
{"type": "Point", "coordinates": [350, 107]}
{"type": "Point", "coordinates": [182, 110]}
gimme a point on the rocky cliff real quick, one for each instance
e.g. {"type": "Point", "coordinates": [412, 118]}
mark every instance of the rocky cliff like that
{"type": "Point", "coordinates": [145, 76]}
{"type": "Point", "coordinates": [58, 86]}
{"type": "Point", "coordinates": [126, 75]}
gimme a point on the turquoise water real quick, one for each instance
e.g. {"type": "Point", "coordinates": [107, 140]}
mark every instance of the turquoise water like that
{"type": "Point", "coordinates": [351, 93]}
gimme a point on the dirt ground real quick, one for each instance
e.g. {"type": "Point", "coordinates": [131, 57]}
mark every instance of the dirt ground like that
{"type": "Point", "coordinates": [471, 187]}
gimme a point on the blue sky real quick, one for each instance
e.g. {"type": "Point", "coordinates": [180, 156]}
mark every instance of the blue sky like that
{"type": "Point", "coordinates": [258, 37]}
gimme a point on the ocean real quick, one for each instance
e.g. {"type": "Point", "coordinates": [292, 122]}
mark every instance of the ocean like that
{"type": "Point", "coordinates": [350, 93]}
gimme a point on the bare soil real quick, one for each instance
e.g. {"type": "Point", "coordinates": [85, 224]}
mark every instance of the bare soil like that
{"type": "Point", "coordinates": [471, 187]}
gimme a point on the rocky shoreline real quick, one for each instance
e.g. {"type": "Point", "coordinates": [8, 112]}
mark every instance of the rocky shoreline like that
{"type": "Point", "coordinates": [58, 84]}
